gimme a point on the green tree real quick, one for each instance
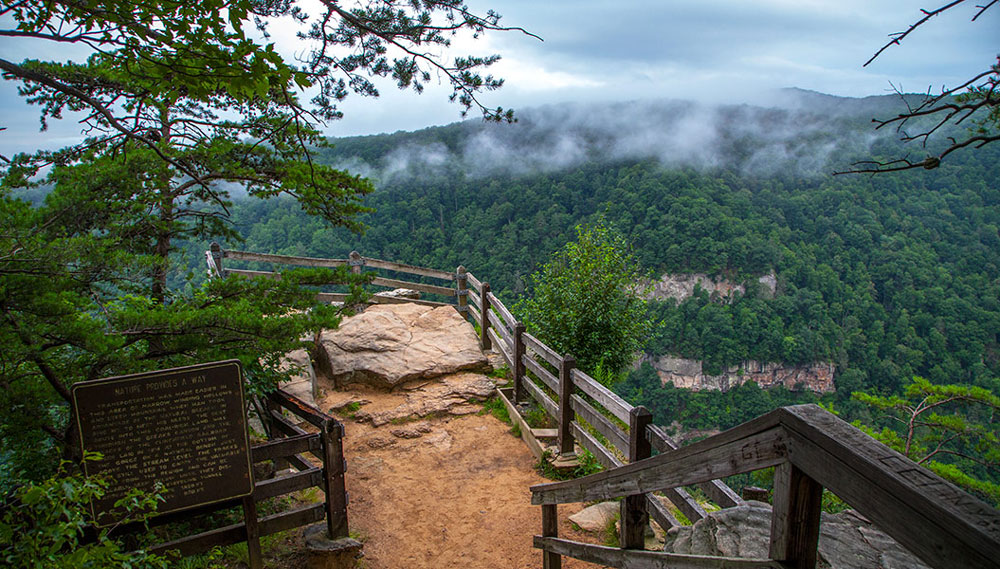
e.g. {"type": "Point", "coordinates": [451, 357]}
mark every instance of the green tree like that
{"type": "Point", "coordinates": [588, 301]}
{"type": "Point", "coordinates": [182, 103]}
{"type": "Point", "coordinates": [950, 429]}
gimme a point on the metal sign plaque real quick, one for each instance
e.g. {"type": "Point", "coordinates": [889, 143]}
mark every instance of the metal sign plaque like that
{"type": "Point", "coordinates": [185, 428]}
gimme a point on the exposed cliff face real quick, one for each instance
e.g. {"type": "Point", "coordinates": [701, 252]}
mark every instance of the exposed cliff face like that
{"type": "Point", "coordinates": [686, 373]}
{"type": "Point", "coordinates": [681, 286]}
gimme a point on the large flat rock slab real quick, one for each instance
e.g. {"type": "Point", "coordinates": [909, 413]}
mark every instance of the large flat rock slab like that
{"type": "Point", "coordinates": [388, 345]}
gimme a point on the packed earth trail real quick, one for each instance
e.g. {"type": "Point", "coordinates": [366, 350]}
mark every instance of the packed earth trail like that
{"type": "Point", "coordinates": [442, 490]}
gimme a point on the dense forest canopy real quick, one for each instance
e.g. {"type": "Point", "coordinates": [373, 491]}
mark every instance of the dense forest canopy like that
{"type": "Point", "coordinates": [886, 276]}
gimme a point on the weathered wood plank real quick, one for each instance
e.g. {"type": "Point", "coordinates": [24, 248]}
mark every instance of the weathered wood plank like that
{"type": "Point", "coordinates": [476, 315]}
{"type": "Point", "coordinates": [496, 323]}
{"type": "Point", "coordinates": [659, 513]}
{"type": "Point", "coordinates": [251, 274]}
{"type": "Point", "coordinates": [252, 530]}
{"type": "Point", "coordinates": [550, 529]}
{"type": "Point", "coordinates": [281, 448]}
{"type": "Point", "coordinates": [687, 465]}
{"type": "Point", "coordinates": [937, 521]}
{"type": "Point", "coordinates": [527, 434]}
{"type": "Point", "coordinates": [602, 454]}
{"type": "Point", "coordinates": [600, 423]}
{"type": "Point", "coordinates": [302, 409]}
{"type": "Point", "coordinates": [405, 268]}
{"type": "Point", "coordinates": [543, 374]}
{"type": "Point", "coordinates": [475, 300]}
{"type": "Point", "coordinates": [500, 308]}
{"type": "Point", "coordinates": [334, 484]}
{"type": "Point", "coordinates": [716, 490]}
{"type": "Point", "coordinates": [547, 353]}
{"type": "Point", "coordinates": [500, 346]}
{"type": "Point", "coordinates": [474, 282]}
{"type": "Point", "coordinates": [228, 535]}
{"type": "Point", "coordinates": [431, 289]}
{"type": "Point", "coordinates": [607, 398]}
{"type": "Point", "coordinates": [538, 395]}
{"type": "Point", "coordinates": [566, 442]}
{"type": "Point", "coordinates": [284, 259]}
{"type": "Point", "coordinates": [795, 517]}
{"type": "Point", "coordinates": [285, 425]}
{"type": "Point", "coordinates": [287, 484]}
{"type": "Point", "coordinates": [636, 559]}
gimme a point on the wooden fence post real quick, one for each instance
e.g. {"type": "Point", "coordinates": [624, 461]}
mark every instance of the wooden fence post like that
{"type": "Point", "coordinates": [634, 516]}
{"type": "Point", "coordinates": [216, 259]}
{"type": "Point", "coordinates": [355, 261]}
{"type": "Point", "coordinates": [253, 533]}
{"type": "Point", "coordinates": [334, 466]}
{"type": "Point", "coordinates": [462, 291]}
{"type": "Point", "coordinates": [484, 322]}
{"type": "Point", "coordinates": [518, 349]}
{"type": "Point", "coordinates": [796, 517]}
{"type": "Point", "coordinates": [567, 445]}
{"type": "Point", "coordinates": [273, 432]}
{"type": "Point", "coordinates": [550, 528]}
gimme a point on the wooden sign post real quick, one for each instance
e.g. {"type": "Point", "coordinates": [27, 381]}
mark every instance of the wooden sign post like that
{"type": "Point", "coordinates": [185, 428]}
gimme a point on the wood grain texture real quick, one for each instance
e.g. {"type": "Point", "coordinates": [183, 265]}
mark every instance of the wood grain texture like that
{"type": "Point", "coordinates": [795, 517]}
{"type": "Point", "coordinates": [474, 283]}
{"type": "Point", "coordinates": [632, 559]}
{"type": "Point", "coordinates": [607, 398]}
{"type": "Point", "coordinates": [550, 529]}
{"type": "Point", "coordinates": [502, 310]}
{"type": "Point", "coordinates": [935, 520]}
{"type": "Point", "coordinates": [547, 353]}
{"type": "Point", "coordinates": [405, 268]}
{"type": "Point", "coordinates": [600, 423]}
{"type": "Point", "coordinates": [587, 441]}
{"type": "Point", "coordinates": [716, 490]}
{"type": "Point", "coordinates": [284, 259]}
{"type": "Point", "coordinates": [538, 395]}
{"type": "Point", "coordinates": [699, 462]}
{"type": "Point", "coordinates": [541, 373]}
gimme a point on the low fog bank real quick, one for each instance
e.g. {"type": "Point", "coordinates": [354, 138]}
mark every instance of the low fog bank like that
{"type": "Point", "coordinates": [797, 133]}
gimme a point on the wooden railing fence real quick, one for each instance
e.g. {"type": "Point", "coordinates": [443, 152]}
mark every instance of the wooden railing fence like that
{"type": "Point", "coordinates": [585, 411]}
{"type": "Point", "coordinates": [809, 448]}
{"type": "Point", "coordinates": [326, 445]}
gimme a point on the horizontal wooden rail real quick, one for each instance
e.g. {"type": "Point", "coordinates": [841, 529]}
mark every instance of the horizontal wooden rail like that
{"type": "Point", "coordinates": [495, 304]}
{"type": "Point", "coordinates": [636, 559]}
{"type": "Point", "coordinates": [607, 398]}
{"type": "Point", "coordinates": [744, 448]}
{"type": "Point", "coordinates": [474, 282]}
{"type": "Point", "coordinates": [431, 289]}
{"type": "Point", "coordinates": [716, 490]}
{"type": "Point", "coordinates": [541, 373]}
{"type": "Point", "coordinates": [308, 478]}
{"type": "Point", "coordinates": [405, 268]}
{"type": "Point", "coordinates": [235, 533]}
{"type": "Point", "coordinates": [600, 452]}
{"type": "Point", "coordinates": [497, 326]}
{"type": "Point", "coordinates": [378, 299]}
{"type": "Point", "coordinates": [306, 411]}
{"type": "Point", "coordinates": [538, 395]}
{"type": "Point", "coordinates": [615, 435]}
{"type": "Point", "coordinates": [252, 274]}
{"type": "Point", "coordinates": [282, 448]}
{"type": "Point", "coordinates": [504, 348]}
{"type": "Point", "coordinates": [547, 353]}
{"type": "Point", "coordinates": [283, 259]}
{"type": "Point", "coordinates": [811, 449]}
{"type": "Point", "coordinates": [475, 300]}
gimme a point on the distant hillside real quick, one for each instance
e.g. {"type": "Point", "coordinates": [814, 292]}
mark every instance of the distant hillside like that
{"type": "Point", "coordinates": [885, 276]}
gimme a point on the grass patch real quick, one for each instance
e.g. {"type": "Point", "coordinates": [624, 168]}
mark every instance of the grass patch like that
{"type": "Point", "coordinates": [587, 465]}
{"type": "Point", "coordinates": [611, 532]}
{"type": "Point", "coordinates": [502, 372]}
{"type": "Point", "coordinates": [494, 406]}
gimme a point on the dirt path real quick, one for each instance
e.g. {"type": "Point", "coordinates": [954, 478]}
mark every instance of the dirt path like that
{"type": "Point", "coordinates": [443, 491]}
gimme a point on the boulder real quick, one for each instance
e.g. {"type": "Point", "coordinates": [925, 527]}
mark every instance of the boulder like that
{"type": "Point", "coordinates": [597, 517]}
{"type": "Point", "coordinates": [847, 540]}
{"type": "Point", "coordinates": [388, 345]}
{"type": "Point", "coordinates": [448, 396]}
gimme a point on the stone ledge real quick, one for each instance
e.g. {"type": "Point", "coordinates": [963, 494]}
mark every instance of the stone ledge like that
{"type": "Point", "coordinates": [326, 553]}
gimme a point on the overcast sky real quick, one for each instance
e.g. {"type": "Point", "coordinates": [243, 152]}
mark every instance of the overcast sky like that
{"type": "Point", "coordinates": [601, 50]}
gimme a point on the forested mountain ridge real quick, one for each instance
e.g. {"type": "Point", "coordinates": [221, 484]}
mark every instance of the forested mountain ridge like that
{"type": "Point", "coordinates": [886, 276]}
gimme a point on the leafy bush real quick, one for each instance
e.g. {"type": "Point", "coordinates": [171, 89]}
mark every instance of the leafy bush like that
{"type": "Point", "coordinates": [42, 526]}
{"type": "Point", "coordinates": [587, 301]}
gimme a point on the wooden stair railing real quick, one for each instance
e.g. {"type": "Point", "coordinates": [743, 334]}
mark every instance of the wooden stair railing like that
{"type": "Point", "coordinates": [811, 450]}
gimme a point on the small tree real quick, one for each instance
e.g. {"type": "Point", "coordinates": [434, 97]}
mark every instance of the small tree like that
{"type": "Point", "coordinates": [588, 301]}
{"type": "Point", "coordinates": [940, 421]}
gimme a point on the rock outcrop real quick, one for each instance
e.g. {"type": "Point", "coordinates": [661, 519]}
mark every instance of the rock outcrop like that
{"type": "Point", "coordinates": [681, 286]}
{"type": "Point", "coordinates": [846, 541]}
{"type": "Point", "coordinates": [687, 373]}
{"type": "Point", "coordinates": [388, 345]}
